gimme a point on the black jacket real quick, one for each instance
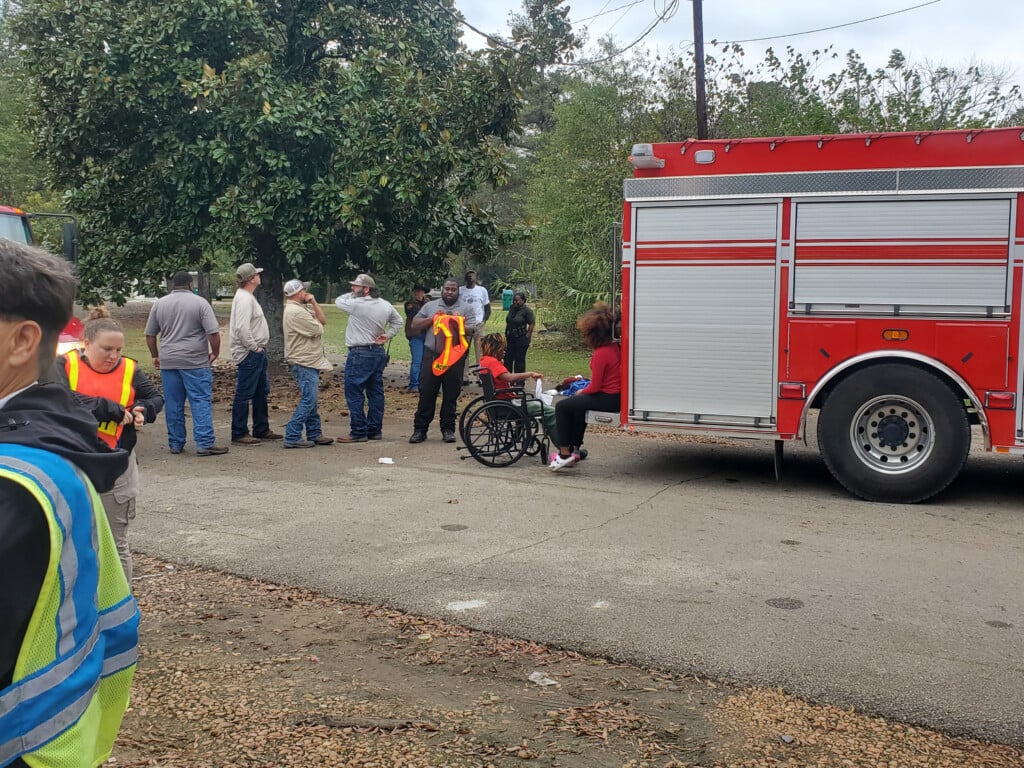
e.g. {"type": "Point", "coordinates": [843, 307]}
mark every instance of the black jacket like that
{"type": "Point", "coordinates": [44, 416]}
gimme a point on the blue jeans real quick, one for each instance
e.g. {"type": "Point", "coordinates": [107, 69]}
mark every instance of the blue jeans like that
{"type": "Point", "coordinates": [252, 386]}
{"type": "Point", "coordinates": [416, 348]}
{"type": "Point", "coordinates": [364, 390]}
{"type": "Point", "coordinates": [196, 384]}
{"type": "Point", "coordinates": [307, 413]}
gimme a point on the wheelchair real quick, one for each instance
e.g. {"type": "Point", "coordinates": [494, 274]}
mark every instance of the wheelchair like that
{"type": "Point", "coordinates": [497, 429]}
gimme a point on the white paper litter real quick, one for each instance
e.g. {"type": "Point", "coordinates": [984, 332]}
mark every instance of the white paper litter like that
{"type": "Point", "coordinates": [385, 460]}
{"type": "Point", "coordinates": [541, 679]}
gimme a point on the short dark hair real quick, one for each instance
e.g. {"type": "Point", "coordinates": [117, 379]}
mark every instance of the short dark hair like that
{"type": "Point", "coordinates": [38, 286]}
{"type": "Point", "coordinates": [181, 280]}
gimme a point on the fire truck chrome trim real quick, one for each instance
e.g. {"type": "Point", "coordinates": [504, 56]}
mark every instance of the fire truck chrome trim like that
{"type": "Point", "coordinates": [795, 184]}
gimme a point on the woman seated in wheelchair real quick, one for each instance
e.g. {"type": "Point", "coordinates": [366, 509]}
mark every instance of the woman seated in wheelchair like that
{"type": "Point", "coordinates": [492, 354]}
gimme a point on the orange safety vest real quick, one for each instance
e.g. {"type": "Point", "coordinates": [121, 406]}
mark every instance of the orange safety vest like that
{"type": "Point", "coordinates": [455, 344]}
{"type": "Point", "coordinates": [116, 386]}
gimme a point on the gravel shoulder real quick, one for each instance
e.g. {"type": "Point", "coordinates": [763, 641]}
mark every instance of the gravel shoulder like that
{"type": "Point", "coordinates": [236, 672]}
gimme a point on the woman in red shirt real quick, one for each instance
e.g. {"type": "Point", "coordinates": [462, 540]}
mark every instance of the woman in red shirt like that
{"type": "Point", "coordinates": [603, 392]}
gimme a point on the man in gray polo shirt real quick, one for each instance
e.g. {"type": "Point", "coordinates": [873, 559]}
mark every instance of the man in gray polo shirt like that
{"type": "Point", "coordinates": [189, 343]}
{"type": "Point", "coordinates": [372, 322]}
{"type": "Point", "coordinates": [449, 382]}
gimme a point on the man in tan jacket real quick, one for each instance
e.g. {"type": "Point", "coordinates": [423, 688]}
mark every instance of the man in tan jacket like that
{"type": "Point", "coordinates": [304, 349]}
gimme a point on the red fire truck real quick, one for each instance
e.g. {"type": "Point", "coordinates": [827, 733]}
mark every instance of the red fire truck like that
{"type": "Point", "coordinates": [15, 225]}
{"type": "Point", "coordinates": [873, 279]}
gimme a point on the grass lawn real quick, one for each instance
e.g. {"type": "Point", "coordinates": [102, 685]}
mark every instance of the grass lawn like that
{"type": "Point", "coordinates": [546, 354]}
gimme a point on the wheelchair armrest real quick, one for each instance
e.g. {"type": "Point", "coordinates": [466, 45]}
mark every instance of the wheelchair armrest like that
{"type": "Point", "coordinates": [517, 391]}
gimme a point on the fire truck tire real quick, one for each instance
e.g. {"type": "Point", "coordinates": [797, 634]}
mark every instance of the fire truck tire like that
{"type": "Point", "coordinates": [894, 433]}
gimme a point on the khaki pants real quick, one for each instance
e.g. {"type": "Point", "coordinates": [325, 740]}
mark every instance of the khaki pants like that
{"type": "Point", "coordinates": [119, 504]}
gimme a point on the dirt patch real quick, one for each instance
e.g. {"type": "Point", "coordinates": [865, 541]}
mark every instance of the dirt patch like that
{"type": "Point", "coordinates": [236, 672]}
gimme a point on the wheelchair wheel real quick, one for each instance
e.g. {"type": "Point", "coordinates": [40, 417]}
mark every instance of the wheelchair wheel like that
{"type": "Point", "coordinates": [475, 403]}
{"type": "Point", "coordinates": [497, 434]}
{"type": "Point", "coordinates": [541, 447]}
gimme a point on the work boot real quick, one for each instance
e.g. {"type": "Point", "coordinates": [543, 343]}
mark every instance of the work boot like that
{"type": "Point", "coordinates": [213, 450]}
{"type": "Point", "coordinates": [246, 440]}
{"type": "Point", "coordinates": [418, 436]}
{"type": "Point", "coordinates": [448, 435]}
{"type": "Point", "coordinates": [270, 435]}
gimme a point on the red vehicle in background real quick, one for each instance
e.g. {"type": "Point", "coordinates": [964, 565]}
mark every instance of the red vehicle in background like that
{"type": "Point", "coordinates": [15, 225]}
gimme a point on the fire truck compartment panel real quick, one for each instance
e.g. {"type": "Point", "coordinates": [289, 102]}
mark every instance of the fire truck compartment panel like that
{"type": "Point", "coordinates": [704, 308]}
{"type": "Point", "coordinates": [927, 257]}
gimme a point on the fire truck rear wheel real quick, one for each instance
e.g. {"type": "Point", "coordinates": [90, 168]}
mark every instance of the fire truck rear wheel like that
{"type": "Point", "coordinates": [894, 433]}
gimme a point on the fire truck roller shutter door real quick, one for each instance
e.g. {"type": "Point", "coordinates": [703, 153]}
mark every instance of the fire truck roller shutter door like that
{"type": "Point", "coordinates": [893, 432]}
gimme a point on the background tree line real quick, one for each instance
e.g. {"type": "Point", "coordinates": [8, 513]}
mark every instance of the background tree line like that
{"type": "Point", "coordinates": [318, 138]}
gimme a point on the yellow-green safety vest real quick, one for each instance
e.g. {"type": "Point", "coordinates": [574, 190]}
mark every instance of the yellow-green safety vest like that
{"type": "Point", "coordinates": [74, 671]}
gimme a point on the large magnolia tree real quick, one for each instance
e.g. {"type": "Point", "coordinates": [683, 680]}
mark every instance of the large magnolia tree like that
{"type": "Point", "coordinates": [313, 137]}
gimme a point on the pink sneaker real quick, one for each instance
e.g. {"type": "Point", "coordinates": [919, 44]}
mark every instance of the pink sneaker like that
{"type": "Point", "coordinates": [558, 462]}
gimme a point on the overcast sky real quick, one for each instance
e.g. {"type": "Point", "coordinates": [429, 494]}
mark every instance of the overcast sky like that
{"type": "Point", "coordinates": [953, 32]}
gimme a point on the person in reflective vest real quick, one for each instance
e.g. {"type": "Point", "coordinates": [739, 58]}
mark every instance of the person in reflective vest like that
{"type": "Point", "coordinates": [444, 360]}
{"type": "Point", "coordinates": [450, 331]}
{"type": "Point", "coordinates": [68, 623]}
{"type": "Point", "coordinates": [71, 682]}
{"type": "Point", "coordinates": [122, 398]}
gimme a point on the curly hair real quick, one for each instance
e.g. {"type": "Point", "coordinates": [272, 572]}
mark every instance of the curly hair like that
{"type": "Point", "coordinates": [494, 345]}
{"type": "Point", "coordinates": [100, 321]}
{"type": "Point", "coordinates": [598, 325]}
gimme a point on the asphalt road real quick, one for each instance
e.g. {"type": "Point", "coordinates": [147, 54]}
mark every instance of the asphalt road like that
{"type": "Point", "coordinates": [681, 555]}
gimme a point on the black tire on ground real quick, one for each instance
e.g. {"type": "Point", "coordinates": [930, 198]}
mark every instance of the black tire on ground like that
{"type": "Point", "coordinates": [471, 406]}
{"type": "Point", "coordinates": [498, 433]}
{"type": "Point", "coordinates": [894, 433]}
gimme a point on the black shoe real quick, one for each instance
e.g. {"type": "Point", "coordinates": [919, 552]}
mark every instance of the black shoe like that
{"type": "Point", "coordinates": [378, 436]}
{"type": "Point", "coordinates": [418, 436]}
{"type": "Point", "coordinates": [213, 450]}
{"type": "Point", "coordinates": [448, 435]}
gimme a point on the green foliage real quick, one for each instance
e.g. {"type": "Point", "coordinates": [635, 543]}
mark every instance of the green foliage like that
{"type": "Point", "coordinates": [310, 136]}
{"type": "Point", "coordinates": [907, 97]}
{"type": "Point", "coordinates": [575, 185]}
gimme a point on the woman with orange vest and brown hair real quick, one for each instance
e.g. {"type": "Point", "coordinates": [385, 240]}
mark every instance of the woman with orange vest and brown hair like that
{"type": "Point", "coordinates": [122, 398]}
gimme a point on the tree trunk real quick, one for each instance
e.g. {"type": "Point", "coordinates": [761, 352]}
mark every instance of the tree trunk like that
{"type": "Point", "coordinates": [270, 294]}
{"type": "Point", "coordinates": [203, 286]}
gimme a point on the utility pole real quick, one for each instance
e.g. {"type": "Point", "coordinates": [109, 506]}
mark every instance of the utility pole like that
{"type": "Point", "coordinates": [698, 64]}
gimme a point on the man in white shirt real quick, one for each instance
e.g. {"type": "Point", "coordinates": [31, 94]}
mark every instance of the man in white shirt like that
{"type": "Point", "coordinates": [476, 295]}
{"type": "Point", "coordinates": [372, 323]}
{"type": "Point", "coordinates": [249, 334]}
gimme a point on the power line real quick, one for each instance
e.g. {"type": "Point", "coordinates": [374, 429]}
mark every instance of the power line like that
{"type": "Point", "coordinates": [826, 29]}
{"type": "Point", "coordinates": [670, 10]}
{"type": "Point", "coordinates": [604, 12]}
